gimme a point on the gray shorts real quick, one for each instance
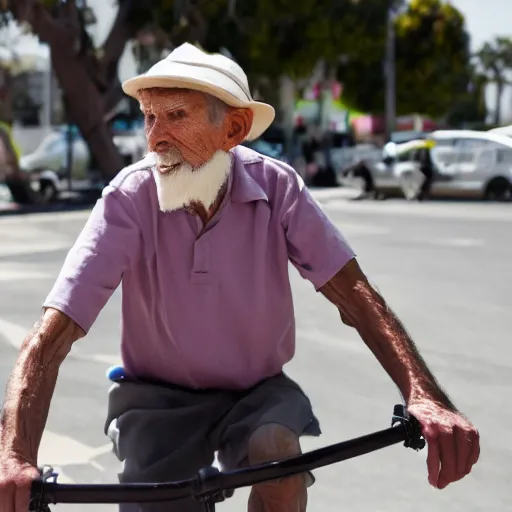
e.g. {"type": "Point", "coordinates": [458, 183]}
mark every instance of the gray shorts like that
{"type": "Point", "coordinates": [163, 432]}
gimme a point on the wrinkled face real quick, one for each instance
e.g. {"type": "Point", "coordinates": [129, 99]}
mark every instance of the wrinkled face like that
{"type": "Point", "coordinates": [191, 135]}
{"type": "Point", "coordinates": [181, 121]}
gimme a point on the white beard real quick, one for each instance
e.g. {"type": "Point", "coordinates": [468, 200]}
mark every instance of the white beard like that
{"type": "Point", "coordinates": [185, 184]}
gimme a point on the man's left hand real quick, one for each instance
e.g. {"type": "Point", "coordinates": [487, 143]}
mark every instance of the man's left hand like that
{"type": "Point", "coordinates": [453, 441]}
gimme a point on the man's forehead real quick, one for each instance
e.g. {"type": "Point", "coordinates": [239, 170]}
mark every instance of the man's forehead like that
{"type": "Point", "coordinates": [164, 96]}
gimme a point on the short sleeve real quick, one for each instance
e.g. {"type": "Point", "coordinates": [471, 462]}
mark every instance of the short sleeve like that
{"type": "Point", "coordinates": [316, 247]}
{"type": "Point", "coordinates": [108, 244]}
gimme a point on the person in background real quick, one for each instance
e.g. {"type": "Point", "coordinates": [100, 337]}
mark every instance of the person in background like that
{"type": "Point", "coordinates": [10, 171]}
{"type": "Point", "coordinates": [427, 168]}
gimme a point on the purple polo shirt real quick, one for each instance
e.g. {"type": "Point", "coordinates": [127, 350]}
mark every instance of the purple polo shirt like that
{"type": "Point", "coordinates": [208, 311]}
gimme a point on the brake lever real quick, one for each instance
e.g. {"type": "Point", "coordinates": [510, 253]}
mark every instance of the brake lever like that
{"type": "Point", "coordinates": [414, 438]}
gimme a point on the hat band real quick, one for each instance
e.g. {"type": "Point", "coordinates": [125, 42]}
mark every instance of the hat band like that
{"type": "Point", "coordinates": [225, 73]}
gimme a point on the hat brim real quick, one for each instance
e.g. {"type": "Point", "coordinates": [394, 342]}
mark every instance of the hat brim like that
{"type": "Point", "coordinates": [263, 114]}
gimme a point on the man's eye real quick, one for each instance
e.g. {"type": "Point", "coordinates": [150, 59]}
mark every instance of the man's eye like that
{"type": "Point", "coordinates": [177, 114]}
{"type": "Point", "coordinates": [150, 118]}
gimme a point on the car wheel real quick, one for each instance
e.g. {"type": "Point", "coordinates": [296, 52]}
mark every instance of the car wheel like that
{"type": "Point", "coordinates": [20, 190]}
{"type": "Point", "coordinates": [498, 189]}
{"type": "Point", "coordinates": [48, 192]}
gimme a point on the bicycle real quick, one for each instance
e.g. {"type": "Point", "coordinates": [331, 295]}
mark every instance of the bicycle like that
{"type": "Point", "coordinates": [212, 486]}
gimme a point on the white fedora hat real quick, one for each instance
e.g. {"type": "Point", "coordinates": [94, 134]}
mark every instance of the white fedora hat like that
{"type": "Point", "coordinates": [190, 68]}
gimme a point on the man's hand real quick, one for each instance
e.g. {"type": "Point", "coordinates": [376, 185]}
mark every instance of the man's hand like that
{"type": "Point", "coordinates": [16, 478]}
{"type": "Point", "coordinates": [453, 442]}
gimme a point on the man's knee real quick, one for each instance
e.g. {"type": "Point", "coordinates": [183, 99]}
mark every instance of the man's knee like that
{"type": "Point", "coordinates": [272, 442]}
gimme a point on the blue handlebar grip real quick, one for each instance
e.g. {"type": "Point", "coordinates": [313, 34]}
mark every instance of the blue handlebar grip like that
{"type": "Point", "coordinates": [115, 373]}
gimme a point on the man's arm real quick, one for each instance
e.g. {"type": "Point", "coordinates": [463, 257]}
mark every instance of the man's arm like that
{"type": "Point", "coordinates": [362, 307]}
{"type": "Point", "coordinates": [32, 382]}
{"type": "Point", "coordinates": [453, 442]}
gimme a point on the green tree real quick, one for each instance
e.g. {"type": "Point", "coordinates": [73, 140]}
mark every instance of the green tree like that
{"type": "Point", "coordinates": [469, 110]}
{"type": "Point", "coordinates": [433, 57]}
{"type": "Point", "coordinates": [362, 69]}
{"type": "Point", "coordinates": [495, 61]}
{"type": "Point", "coordinates": [432, 62]}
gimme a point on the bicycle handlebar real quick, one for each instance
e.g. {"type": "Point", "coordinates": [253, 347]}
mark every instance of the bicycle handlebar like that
{"type": "Point", "coordinates": [211, 483]}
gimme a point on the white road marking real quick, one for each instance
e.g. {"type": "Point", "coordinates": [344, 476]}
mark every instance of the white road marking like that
{"type": "Point", "coordinates": [41, 246]}
{"type": "Point", "coordinates": [42, 218]}
{"type": "Point", "coordinates": [456, 242]}
{"type": "Point", "coordinates": [21, 272]}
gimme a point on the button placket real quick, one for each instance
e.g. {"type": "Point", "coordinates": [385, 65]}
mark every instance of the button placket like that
{"type": "Point", "coordinates": [201, 264]}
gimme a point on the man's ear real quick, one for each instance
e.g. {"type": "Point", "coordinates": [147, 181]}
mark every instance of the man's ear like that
{"type": "Point", "coordinates": [236, 126]}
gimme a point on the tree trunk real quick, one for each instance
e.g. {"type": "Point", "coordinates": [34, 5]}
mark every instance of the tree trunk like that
{"type": "Point", "coordinates": [499, 96]}
{"type": "Point", "coordinates": [89, 85]}
{"type": "Point", "coordinates": [86, 109]}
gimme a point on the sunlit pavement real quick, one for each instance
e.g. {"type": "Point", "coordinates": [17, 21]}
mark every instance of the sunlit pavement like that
{"type": "Point", "coordinates": [445, 268]}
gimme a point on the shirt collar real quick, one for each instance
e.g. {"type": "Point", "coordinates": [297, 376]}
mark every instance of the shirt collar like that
{"type": "Point", "coordinates": [244, 188]}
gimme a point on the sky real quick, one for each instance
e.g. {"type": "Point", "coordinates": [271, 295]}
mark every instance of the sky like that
{"type": "Point", "coordinates": [486, 19]}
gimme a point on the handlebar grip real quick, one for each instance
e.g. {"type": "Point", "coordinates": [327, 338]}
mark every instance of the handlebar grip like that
{"type": "Point", "coordinates": [37, 497]}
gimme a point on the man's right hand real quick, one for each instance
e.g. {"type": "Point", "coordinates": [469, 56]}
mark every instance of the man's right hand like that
{"type": "Point", "coordinates": [16, 477]}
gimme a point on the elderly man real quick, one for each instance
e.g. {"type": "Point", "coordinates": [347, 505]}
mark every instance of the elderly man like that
{"type": "Point", "coordinates": [200, 233]}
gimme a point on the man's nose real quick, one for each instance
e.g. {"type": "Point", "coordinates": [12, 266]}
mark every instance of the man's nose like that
{"type": "Point", "coordinates": [158, 140]}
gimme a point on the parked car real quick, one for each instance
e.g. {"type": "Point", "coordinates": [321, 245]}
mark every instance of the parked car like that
{"type": "Point", "coordinates": [465, 163]}
{"type": "Point", "coordinates": [47, 165]}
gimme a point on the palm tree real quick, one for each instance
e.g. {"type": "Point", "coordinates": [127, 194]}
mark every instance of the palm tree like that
{"type": "Point", "coordinates": [495, 60]}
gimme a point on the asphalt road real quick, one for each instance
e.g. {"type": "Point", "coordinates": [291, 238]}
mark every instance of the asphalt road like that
{"type": "Point", "coordinates": [444, 267]}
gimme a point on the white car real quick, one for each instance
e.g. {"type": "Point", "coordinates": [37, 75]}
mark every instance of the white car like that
{"type": "Point", "coordinates": [48, 163]}
{"type": "Point", "coordinates": [465, 163]}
